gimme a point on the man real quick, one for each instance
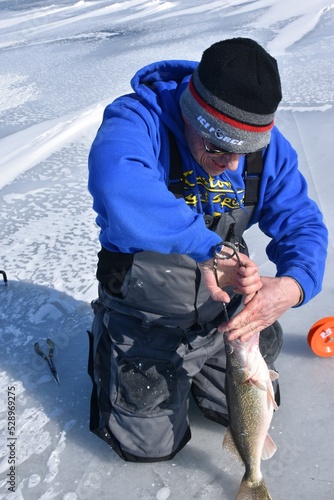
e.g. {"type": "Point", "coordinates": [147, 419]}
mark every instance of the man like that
{"type": "Point", "coordinates": [190, 160]}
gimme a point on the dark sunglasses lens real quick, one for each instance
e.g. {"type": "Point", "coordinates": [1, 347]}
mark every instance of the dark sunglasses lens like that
{"type": "Point", "coordinates": [214, 151]}
{"type": "Point", "coordinates": [221, 152]}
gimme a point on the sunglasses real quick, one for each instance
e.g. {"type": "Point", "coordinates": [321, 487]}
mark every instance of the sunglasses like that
{"type": "Point", "coordinates": [221, 152]}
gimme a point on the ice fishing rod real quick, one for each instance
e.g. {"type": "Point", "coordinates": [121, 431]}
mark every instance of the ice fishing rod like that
{"type": "Point", "coordinates": [220, 253]}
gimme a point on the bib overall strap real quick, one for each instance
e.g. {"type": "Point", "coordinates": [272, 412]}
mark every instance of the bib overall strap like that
{"type": "Point", "coordinates": [176, 180]}
{"type": "Point", "coordinates": [252, 176]}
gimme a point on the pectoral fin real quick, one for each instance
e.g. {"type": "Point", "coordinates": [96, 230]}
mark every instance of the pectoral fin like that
{"type": "Point", "coordinates": [259, 384]}
{"type": "Point", "coordinates": [271, 396]}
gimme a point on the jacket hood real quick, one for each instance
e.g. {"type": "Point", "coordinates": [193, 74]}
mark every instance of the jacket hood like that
{"type": "Point", "coordinates": [161, 84]}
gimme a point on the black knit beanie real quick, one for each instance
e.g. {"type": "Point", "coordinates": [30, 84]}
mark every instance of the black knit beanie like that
{"type": "Point", "coordinates": [233, 94]}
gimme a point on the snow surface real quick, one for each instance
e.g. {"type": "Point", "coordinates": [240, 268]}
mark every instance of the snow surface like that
{"type": "Point", "coordinates": [60, 64]}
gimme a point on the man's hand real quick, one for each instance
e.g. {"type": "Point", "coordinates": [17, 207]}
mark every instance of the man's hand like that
{"type": "Point", "coordinates": [244, 279]}
{"type": "Point", "coordinates": [276, 296]}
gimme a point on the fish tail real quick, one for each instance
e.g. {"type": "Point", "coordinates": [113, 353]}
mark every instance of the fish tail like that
{"type": "Point", "coordinates": [253, 490]}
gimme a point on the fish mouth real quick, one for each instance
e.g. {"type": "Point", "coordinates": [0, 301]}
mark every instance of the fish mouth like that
{"type": "Point", "coordinates": [243, 354]}
{"type": "Point", "coordinates": [249, 345]}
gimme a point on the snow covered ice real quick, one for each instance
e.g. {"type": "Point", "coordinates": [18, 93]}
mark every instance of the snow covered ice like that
{"type": "Point", "coordinates": [60, 64]}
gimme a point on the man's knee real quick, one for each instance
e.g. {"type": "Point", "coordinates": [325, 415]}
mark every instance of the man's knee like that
{"type": "Point", "coordinates": [271, 340]}
{"type": "Point", "coordinates": [137, 375]}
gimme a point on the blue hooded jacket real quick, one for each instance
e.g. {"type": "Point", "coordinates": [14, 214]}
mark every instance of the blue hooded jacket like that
{"type": "Point", "coordinates": [128, 179]}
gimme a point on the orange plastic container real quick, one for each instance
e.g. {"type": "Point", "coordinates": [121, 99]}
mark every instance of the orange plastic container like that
{"type": "Point", "coordinates": [321, 337]}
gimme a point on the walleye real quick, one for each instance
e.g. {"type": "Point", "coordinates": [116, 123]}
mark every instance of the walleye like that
{"type": "Point", "coordinates": [251, 402]}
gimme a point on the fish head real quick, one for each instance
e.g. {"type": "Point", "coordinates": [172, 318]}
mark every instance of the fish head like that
{"type": "Point", "coordinates": [243, 355]}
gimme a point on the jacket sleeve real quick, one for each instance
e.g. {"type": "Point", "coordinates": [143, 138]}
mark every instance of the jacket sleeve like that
{"type": "Point", "coordinates": [292, 220]}
{"type": "Point", "coordinates": [128, 174]}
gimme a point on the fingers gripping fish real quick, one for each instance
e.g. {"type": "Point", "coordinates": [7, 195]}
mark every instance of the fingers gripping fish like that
{"type": "Point", "coordinates": [251, 403]}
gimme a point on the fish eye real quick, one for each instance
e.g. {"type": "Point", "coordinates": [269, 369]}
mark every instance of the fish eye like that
{"type": "Point", "coordinates": [228, 348]}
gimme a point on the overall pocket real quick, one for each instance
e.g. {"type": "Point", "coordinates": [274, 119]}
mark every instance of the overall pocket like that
{"type": "Point", "coordinates": [147, 386]}
{"type": "Point", "coordinates": [146, 366]}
